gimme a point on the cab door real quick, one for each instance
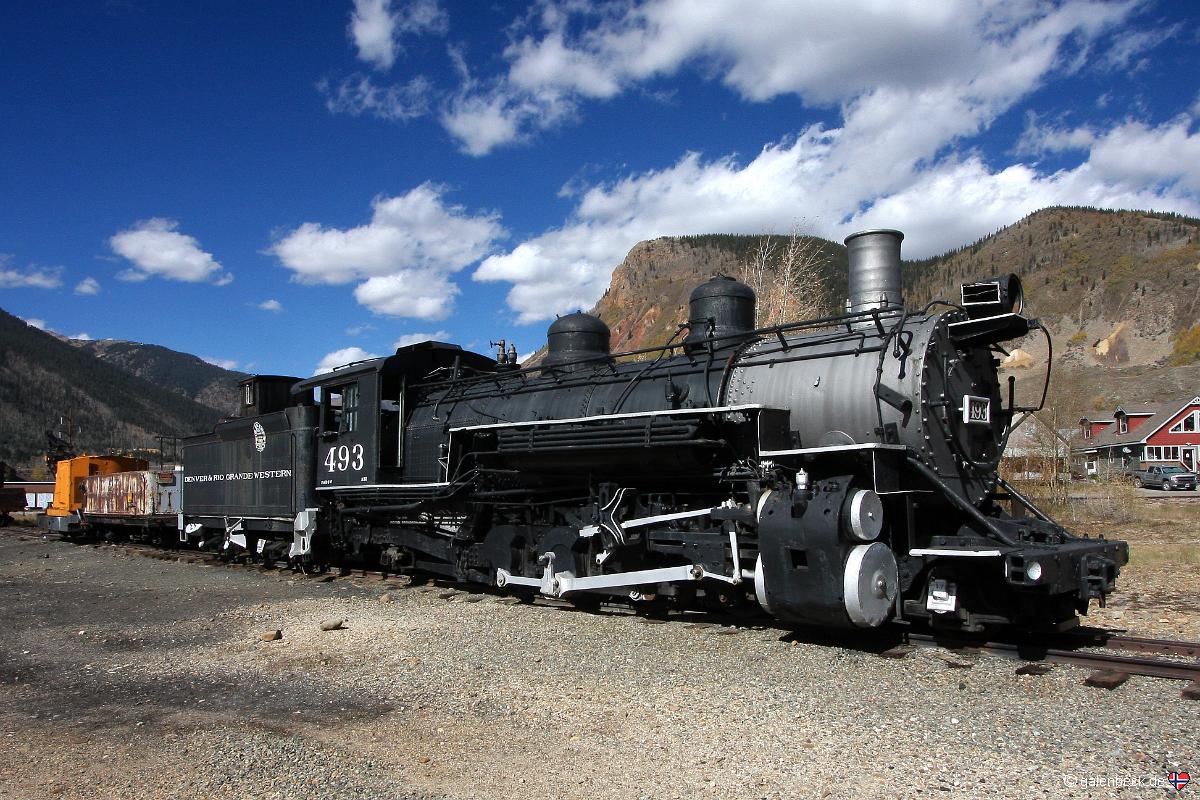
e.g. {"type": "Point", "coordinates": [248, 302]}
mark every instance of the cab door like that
{"type": "Point", "coordinates": [346, 453]}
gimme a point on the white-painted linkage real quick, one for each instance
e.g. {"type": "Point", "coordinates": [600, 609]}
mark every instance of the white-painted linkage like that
{"type": "Point", "coordinates": [556, 585]}
{"type": "Point", "coordinates": [588, 531]}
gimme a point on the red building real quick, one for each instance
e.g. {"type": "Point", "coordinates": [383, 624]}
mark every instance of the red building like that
{"type": "Point", "coordinates": [1157, 433]}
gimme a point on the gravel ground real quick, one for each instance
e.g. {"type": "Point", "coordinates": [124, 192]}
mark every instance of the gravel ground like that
{"type": "Point", "coordinates": [122, 676]}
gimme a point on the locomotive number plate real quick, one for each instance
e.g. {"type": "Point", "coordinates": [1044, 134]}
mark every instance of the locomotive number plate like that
{"type": "Point", "coordinates": [976, 410]}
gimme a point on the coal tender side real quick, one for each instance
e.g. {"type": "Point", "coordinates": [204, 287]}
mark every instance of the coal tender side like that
{"type": "Point", "coordinates": [248, 485]}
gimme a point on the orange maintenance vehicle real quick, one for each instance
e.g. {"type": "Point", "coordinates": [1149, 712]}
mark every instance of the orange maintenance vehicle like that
{"type": "Point", "coordinates": [65, 513]}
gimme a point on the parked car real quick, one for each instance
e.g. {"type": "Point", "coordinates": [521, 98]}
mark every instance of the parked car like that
{"type": "Point", "coordinates": [1164, 477]}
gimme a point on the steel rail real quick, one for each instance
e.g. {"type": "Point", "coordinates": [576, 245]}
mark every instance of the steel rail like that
{"type": "Point", "coordinates": [1023, 651]}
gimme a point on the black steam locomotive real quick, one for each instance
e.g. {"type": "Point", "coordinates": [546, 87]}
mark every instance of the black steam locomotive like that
{"type": "Point", "coordinates": [836, 472]}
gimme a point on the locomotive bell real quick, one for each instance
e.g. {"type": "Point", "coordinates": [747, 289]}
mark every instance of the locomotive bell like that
{"type": "Point", "coordinates": [874, 277]}
{"type": "Point", "coordinates": [720, 310]}
{"type": "Point", "coordinates": [576, 339]}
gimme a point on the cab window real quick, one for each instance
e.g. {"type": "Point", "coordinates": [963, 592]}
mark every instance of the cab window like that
{"type": "Point", "coordinates": [339, 409]}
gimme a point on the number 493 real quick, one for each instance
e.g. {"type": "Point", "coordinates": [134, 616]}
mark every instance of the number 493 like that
{"type": "Point", "coordinates": [343, 458]}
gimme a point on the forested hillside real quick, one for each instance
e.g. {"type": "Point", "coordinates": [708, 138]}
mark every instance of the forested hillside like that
{"type": "Point", "coordinates": [43, 378]}
{"type": "Point", "coordinates": [182, 373]}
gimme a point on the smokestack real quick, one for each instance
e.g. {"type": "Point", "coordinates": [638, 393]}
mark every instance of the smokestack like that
{"type": "Point", "coordinates": [874, 278]}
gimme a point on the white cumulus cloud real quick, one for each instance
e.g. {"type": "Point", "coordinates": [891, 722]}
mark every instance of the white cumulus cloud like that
{"type": "Point", "coordinates": [416, 338]}
{"type": "Point", "coordinates": [29, 278]}
{"type": "Point", "coordinates": [82, 337]}
{"type": "Point", "coordinates": [402, 258]}
{"type": "Point", "coordinates": [377, 25]}
{"type": "Point", "coordinates": [338, 358]}
{"type": "Point", "coordinates": [155, 247]}
{"type": "Point", "coordinates": [910, 85]}
{"type": "Point", "coordinates": [972, 57]}
{"type": "Point", "coordinates": [88, 286]}
{"type": "Point", "coordinates": [940, 205]}
{"type": "Point", "coordinates": [34, 322]}
{"type": "Point", "coordinates": [271, 305]}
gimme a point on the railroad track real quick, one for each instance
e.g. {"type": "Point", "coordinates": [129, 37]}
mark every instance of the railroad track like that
{"type": "Point", "coordinates": [1175, 660]}
{"type": "Point", "coordinates": [1085, 648]}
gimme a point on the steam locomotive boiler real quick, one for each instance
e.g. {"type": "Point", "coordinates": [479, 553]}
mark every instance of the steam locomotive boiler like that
{"type": "Point", "coordinates": [836, 472]}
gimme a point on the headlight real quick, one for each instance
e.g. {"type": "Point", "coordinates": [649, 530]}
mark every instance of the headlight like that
{"type": "Point", "coordinates": [1033, 571]}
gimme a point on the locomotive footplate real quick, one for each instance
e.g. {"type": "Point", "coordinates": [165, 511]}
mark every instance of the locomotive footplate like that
{"type": "Point", "coordinates": [1047, 583]}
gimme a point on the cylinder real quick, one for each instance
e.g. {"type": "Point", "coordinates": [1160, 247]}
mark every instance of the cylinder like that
{"type": "Point", "coordinates": [874, 278]}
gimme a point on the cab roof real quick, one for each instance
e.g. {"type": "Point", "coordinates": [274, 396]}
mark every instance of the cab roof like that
{"type": "Point", "coordinates": [421, 358]}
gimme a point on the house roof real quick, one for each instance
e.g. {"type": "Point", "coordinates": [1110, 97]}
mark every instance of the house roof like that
{"type": "Point", "coordinates": [1159, 414]}
{"type": "Point", "coordinates": [1138, 409]}
{"type": "Point", "coordinates": [1029, 437]}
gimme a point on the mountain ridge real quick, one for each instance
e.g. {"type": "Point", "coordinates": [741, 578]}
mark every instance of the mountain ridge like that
{"type": "Point", "coordinates": [1119, 292]}
{"type": "Point", "coordinates": [43, 378]}
{"type": "Point", "coordinates": [183, 373]}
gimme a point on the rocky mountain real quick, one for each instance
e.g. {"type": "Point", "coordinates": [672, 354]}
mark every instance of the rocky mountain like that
{"type": "Point", "coordinates": [648, 296]}
{"type": "Point", "coordinates": [1119, 292]}
{"type": "Point", "coordinates": [182, 373]}
{"type": "Point", "coordinates": [43, 378]}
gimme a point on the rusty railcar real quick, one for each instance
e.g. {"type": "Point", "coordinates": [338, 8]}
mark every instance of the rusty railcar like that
{"type": "Point", "coordinates": [65, 513]}
{"type": "Point", "coordinates": [145, 499]}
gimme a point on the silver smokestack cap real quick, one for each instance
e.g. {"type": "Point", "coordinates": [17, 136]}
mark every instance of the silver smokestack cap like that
{"type": "Point", "coordinates": [874, 279]}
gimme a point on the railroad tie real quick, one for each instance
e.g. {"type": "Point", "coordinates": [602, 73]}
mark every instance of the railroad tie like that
{"type": "Point", "coordinates": [899, 651]}
{"type": "Point", "coordinates": [1106, 678]}
{"type": "Point", "coordinates": [1035, 669]}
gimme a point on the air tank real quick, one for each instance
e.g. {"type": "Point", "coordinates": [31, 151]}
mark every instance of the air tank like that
{"type": "Point", "coordinates": [720, 309]}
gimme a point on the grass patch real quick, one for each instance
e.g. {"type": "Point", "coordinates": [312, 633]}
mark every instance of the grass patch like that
{"type": "Point", "coordinates": [1091, 503]}
{"type": "Point", "coordinates": [1187, 347]}
{"type": "Point", "coordinates": [1147, 555]}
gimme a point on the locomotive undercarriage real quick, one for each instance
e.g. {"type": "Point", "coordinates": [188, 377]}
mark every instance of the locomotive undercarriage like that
{"type": "Point", "coordinates": [839, 535]}
{"type": "Point", "coordinates": [810, 543]}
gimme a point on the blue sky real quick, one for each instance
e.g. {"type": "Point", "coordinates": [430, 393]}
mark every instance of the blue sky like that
{"type": "Point", "coordinates": [277, 185]}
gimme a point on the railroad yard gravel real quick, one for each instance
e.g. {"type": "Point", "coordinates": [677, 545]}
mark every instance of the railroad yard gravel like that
{"type": "Point", "coordinates": [126, 676]}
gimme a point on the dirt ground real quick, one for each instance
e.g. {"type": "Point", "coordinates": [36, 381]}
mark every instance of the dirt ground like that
{"type": "Point", "coordinates": [1158, 592]}
{"type": "Point", "coordinates": [124, 676]}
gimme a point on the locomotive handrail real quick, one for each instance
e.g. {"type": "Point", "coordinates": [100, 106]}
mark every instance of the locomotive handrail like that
{"type": "Point", "coordinates": [1023, 500]}
{"type": "Point", "coordinates": [962, 504]}
{"type": "Point", "coordinates": [770, 330]}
